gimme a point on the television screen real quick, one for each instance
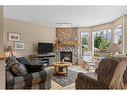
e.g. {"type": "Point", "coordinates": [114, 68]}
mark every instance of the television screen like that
{"type": "Point", "coordinates": [45, 47]}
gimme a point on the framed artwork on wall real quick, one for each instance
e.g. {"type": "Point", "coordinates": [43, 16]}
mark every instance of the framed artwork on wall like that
{"type": "Point", "coordinates": [13, 36]}
{"type": "Point", "coordinates": [19, 45]}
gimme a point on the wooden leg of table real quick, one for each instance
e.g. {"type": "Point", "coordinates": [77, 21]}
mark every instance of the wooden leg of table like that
{"type": "Point", "coordinates": [88, 68]}
{"type": "Point", "coordinates": [55, 70]}
{"type": "Point", "coordinates": [66, 71]}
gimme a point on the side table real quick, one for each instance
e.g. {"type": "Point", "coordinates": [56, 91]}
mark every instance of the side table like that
{"type": "Point", "coordinates": [59, 69]}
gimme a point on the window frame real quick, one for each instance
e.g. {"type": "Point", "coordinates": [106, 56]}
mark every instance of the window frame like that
{"type": "Point", "coordinates": [81, 54]}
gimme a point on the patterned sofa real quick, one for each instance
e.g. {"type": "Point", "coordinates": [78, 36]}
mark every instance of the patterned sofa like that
{"type": "Point", "coordinates": [34, 80]}
{"type": "Point", "coordinates": [102, 78]}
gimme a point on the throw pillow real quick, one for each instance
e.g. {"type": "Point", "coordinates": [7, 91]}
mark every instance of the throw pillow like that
{"type": "Point", "coordinates": [34, 67]}
{"type": "Point", "coordinates": [23, 60]}
{"type": "Point", "coordinates": [18, 69]}
{"type": "Point", "coordinates": [10, 61]}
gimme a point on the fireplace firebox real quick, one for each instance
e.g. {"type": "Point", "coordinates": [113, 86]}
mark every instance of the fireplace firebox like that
{"type": "Point", "coordinates": [66, 56]}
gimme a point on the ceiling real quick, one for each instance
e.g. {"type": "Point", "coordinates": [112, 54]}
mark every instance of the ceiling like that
{"type": "Point", "coordinates": [78, 16]}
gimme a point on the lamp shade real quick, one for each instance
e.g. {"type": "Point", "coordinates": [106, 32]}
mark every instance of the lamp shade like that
{"type": "Point", "coordinates": [113, 48]}
{"type": "Point", "coordinates": [10, 49]}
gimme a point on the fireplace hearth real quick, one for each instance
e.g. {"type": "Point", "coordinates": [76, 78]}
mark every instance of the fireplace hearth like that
{"type": "Point", "coordinates": [66, 56]}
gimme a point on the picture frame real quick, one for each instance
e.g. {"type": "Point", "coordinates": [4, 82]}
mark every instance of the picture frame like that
{"type": "Point", "coordinates": [13, 36]}
{"type": "Point", "coordinates": [19, 45]}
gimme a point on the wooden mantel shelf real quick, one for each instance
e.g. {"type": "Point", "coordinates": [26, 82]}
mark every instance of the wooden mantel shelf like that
{"type": "Point", "coordinates": [67, 44]}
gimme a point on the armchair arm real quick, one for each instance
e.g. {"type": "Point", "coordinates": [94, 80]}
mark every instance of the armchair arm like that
{"type": "Point", "coordinates": [83, 81]}
{"type": "Point", "coordinates": [28, 79]}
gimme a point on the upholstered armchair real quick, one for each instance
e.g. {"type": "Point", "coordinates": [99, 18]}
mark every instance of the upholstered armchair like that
{"type": "Point", "coordinates": [102, 78]}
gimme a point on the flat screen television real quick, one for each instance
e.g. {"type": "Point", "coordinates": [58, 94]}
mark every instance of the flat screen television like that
{"type": "Point", "coordinates": [45, 47]}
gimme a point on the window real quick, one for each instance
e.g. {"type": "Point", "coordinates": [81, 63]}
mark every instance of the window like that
{"type": "Point", "coordinates": [101, 41]}
{"type": "Point", "coordinates": [84, 42]}
{"type": "Point", "coordinates": [118, 36]}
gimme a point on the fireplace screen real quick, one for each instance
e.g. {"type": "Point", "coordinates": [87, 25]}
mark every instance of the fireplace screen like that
{"type": "Point", "coordinates": [66, 56]}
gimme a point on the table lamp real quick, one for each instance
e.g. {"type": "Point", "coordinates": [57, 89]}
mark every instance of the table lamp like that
{"type": "Point", "coordinates": [10, 50]}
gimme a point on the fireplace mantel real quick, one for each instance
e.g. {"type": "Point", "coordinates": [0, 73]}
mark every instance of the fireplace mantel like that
{"type": "Point", "coordinates": [68, 43]}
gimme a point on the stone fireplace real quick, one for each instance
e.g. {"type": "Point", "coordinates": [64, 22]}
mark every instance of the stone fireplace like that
{"type": "Point", "coordinates": [66, 56]}
{"type": "Point", "coordinates": [67, 45]}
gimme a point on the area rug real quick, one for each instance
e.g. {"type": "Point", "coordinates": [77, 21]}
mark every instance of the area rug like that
{"type": "Point", "coordinates": [65, 81]}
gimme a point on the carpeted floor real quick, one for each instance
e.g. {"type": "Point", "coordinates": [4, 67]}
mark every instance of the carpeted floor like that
{"type": "Point", "coordinates": [65, 81]}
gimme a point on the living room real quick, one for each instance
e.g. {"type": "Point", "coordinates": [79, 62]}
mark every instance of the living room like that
{"type": "Point", "coordinates": [66, 51]}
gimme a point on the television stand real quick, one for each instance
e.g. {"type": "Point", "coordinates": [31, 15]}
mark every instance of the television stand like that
{"type": "Point", "coordinates": [44, 59]}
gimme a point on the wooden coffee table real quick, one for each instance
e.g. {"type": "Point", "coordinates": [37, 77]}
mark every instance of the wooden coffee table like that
{"type": "Point", "coordinates": [59, 69]}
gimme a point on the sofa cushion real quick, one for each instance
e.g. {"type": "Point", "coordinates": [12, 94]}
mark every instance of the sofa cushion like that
{"type": "Point", "coordinates": [23, 60]}
{"type": "Point", "coordinates": [18, 69]}
{"type": "Point", "coordinates": [10, 61]}
{"type": "Point", "coordinates": [34, 67]}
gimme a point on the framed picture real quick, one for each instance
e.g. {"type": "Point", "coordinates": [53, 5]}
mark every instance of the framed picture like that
{"type": "Point", "coordinates": [19, 45]}
{"type": "Point", "coordinates": [13, 36]}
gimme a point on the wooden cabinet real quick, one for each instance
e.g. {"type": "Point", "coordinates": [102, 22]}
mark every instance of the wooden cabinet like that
{"type": "Point", "coordinates": [46, 60]}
